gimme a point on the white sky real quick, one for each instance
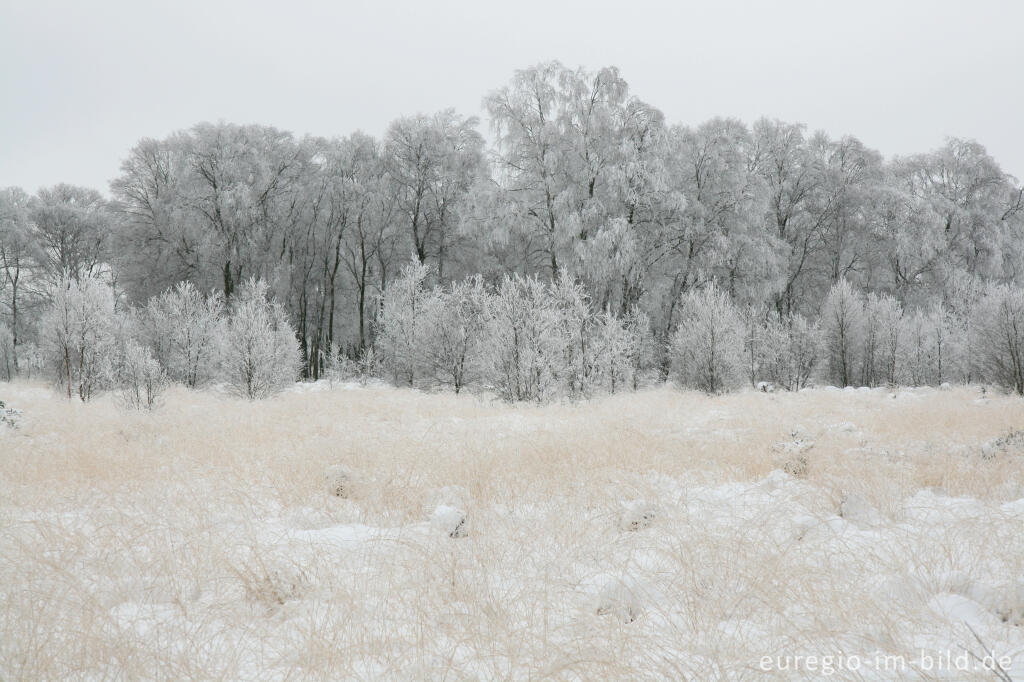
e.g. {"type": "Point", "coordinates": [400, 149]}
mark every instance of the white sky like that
{"type": "Point", "coordinates": [81, 82]}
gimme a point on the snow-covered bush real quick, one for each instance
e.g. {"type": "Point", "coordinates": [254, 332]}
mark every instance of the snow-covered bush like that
{"type": "Point", "coordinates": [401, 325]}
{"type": "Point", "coordinates": [259, 352]}
{"type": "Point", "coordinates": [524, 349]}
{"type": "Point", "coordinates": [181, 326]}
{"type": "Point", "coordinates": [453, 326]}
{"type": "Point", "coordinates": [140, 378]}
{"type": "Point", "coordinates": [79, 330]}
{"type": "Point", "coordinates": [999, 328]}
{"type": "Point", "coordinates": [707, 347]}
{"type": "Point", "coordinates": [842, 323]}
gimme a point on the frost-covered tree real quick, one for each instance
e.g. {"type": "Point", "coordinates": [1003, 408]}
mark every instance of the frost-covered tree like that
{"type": "Point", "coordinates": [571, 162]}
{"type": "Point", "coordinates": [644, 349]}
{"type": "Point", "coordinates": [401, 329]}
{"type": "Point", "coordinates": [576, 327]}
{"type": "Point", "coordinates": [842, 323]}
{"type": "Point", "coordinates": [718, 235]}
{"type": "Point", "coordinates": [707, 347]}
{"type": "Point", "coordinates": [880, 340]}
{"type": "Point", "coordinates": [622, 350]}
{"type": "Point", "coordinates": [80, 335]}
{"type": "Point", "coordinates": [785, 352]}
{"type": "Point", "coordinates": [7, 355]}
{"type": "Point", "coordinates": [973, 205]}
{"type": "Point", "coordinates": [20, 251]}
{"type": "Point", "coordinates": [453, 330]}
{"type": "Point", "coordinates": [73, 228]}
{"type": "Point", "coordinates": [139, 377]}
{"type": "Point", "coordinates": [431, 163]}
{"type": "Point", "coordinates": [928, 346]}
{"type": "Point", "coordinates": [181, 327]}
{"type": "Point", "coordinates": [259, 351]}
{"type": "Point", "coordinates": [999, 327]}
{"type": "Point", "coordinates": [525, 349]}
{"type": "Point", "coordinates": [801, 352]}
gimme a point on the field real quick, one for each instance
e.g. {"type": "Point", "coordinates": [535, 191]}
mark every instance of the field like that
{"type": "Point", "coordinates": [655, 535]}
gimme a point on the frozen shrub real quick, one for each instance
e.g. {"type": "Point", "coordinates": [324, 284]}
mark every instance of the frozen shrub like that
{"type": "Point", "coordinates": [259, 351]}
{"type": "Point", "coordinates": [707, 347]}
{"type": "Point", "coordinates": [181, 326]}
{"type": "Point", "coordinates": [140, 378]}
{"type": "Point", "coordinates": [999, 325]}
{"type": "Point", "coordinates": [79, 330]}
{"type": "Point", "coordinates": [524, 347]}
{"type": "Point", "coordinates": [842, 321]}
{"type": "Point", "coordinates": [453, 325]}
{"type": "Point", "coordinates": [400, 328]}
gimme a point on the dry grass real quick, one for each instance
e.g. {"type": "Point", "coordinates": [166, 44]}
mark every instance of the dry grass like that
{"type": "Point", "coordinates": [199, 542]}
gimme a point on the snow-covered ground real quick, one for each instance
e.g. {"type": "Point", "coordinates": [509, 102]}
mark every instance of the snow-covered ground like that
{"type": "Point", "coordinates": [657, 535]}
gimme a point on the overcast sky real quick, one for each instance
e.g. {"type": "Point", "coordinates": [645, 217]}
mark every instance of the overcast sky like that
{"type": "Point", "coordinates": [81, 82]}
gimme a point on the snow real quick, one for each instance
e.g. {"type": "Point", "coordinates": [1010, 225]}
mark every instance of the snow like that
{"type": "Point", "coordinates": [449, 520]}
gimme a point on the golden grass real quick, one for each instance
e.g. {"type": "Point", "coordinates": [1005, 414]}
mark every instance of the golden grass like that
{"type": "Point", "coordinates": [194, 542]}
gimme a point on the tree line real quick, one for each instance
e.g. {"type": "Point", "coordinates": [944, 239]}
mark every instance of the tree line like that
{"type": "Point", "coordinates": [582, 187]}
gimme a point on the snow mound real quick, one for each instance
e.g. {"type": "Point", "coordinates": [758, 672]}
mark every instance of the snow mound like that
{"type": "Point", "coordinates": [449, 520]}
{"type": "Point", "coordinates": [858, 511]}
{"type": "Point", "coordinates": [957, 608]}
{"type": "Point", "coordinates": [622, 597]}
{"type": "Point", "coordinates": [637, 515]}
{"type": "Point", "coordinates": [1005, 600]}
